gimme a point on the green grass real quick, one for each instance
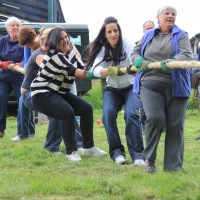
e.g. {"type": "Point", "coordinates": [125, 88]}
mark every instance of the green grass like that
{"type": "Point", "coordinates": [28, 172]}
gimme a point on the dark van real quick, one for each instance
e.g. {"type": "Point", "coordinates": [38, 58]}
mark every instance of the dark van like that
{"type": "Point", "coordinates": [79, 36]}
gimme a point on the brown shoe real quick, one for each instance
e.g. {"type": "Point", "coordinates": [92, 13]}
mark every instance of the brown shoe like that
{"type": "Point", "coordinates": [2, 134]}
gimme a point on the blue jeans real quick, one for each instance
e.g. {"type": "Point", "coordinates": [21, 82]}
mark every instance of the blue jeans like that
{"type": "Point", "coordinates": [68, 107]}
{"type": "Point", "coordinates": [25, 121]}
{"type": "Point", "coordinates": [113, 100]}
{"type": "Point", "coordinates": [54, 134]}
{"type": "Point", "coordinates": [26, 98]}
{"type": "Point", "coordinates": [6, 87]}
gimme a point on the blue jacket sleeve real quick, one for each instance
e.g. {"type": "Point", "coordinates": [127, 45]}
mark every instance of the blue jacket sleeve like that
{"type": "Point", "coordinates": [27, 54]}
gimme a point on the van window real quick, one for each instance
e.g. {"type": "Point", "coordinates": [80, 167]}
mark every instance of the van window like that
{"type": "Point", "coordinates": [77, 41]}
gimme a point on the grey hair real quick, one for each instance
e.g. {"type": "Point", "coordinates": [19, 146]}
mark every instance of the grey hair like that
{"type": "Point", "coordinates": [11, 20]}
{"type": "Point", "coordinates": [164, 8]}
{"type": "Point", "coordinates": [147, 22]}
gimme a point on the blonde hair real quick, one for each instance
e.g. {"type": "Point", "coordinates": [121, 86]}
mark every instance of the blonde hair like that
{"type": "Point", "coordinates": [43, 33]}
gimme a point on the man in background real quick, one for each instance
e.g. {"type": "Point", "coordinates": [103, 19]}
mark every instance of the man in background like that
{"type": "Point", "coordinates": [148, 25]}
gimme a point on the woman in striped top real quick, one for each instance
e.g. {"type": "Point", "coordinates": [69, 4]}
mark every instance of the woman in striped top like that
{"type": "Point", "coordinates": [51, 95]}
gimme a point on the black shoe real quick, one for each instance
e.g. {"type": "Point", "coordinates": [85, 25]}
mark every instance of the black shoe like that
{"type": "Point", "coordinates": [2, 134]}
{"type": "Point", "coordinates": [198, 138]}
{"type": "Point", "coordinates": [150, 167]}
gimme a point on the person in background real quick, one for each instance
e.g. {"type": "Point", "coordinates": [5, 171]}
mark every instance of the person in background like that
{"type": "Point", "coordinates": [198, 138]}
{"type": "Point", "coordinates": [27, 38]}
{"type": "Point", "coordinates": [164, 93]}
{"type": "Point", "coordinates": [10, 52]}
{"type": "Point", "coordinates": [198, 51]}
{"type": "Point", "coordinates": [109, 50]}
{"type": "Point", "coordinates": [146, 26]}
{"type": "Point", "coordinates": [53, 84]}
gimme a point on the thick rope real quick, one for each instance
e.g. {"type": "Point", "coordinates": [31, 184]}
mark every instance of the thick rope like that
{"type": "Point", "coordinates": [152, 65]}
{"type": "Point", "coordinates": [17, 68]}
{"type": "Point", "coordinates": [173, 64]}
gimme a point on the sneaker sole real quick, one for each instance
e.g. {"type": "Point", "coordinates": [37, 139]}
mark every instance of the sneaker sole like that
{"type": "Point", "coordinates": [78, 160]}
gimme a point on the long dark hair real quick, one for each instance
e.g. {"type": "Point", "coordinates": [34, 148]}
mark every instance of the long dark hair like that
{"type": "Point", "coordinates": [94, 47]}
{"type": "Point", "coordinates": [54, 38]}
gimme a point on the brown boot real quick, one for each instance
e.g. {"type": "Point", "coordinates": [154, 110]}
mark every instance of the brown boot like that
{"type": "Point", "coordinates": [2, 134]}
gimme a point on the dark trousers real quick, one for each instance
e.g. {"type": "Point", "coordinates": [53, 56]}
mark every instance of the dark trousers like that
{"type": "Point", "coordinates": [65, 108]}
{"type": "Point", "coordinates": [163, 110]}
{"type": "Point", "coordinates": [54, 134]}
{"type": "Point", "coordinates": [6, 87]}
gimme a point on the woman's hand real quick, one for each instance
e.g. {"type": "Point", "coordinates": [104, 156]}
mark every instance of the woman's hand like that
{"type": "Point", "coordinates": [81, 73]}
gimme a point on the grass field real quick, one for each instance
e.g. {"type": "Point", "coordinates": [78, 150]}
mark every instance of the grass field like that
{"type": "Point", "coordinates": [28, 172]}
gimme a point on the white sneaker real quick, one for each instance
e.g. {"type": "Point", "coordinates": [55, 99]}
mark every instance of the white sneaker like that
{"type": "Point", "coordinates": [139, 162]}
{"type": "Point", "coordinates": [80, 150]}
{"type": "Point", "coordinates": [16, 138]}
{"type": "Point", "coordinates": [94, 151]}
{"type": "Point", "coordinates": [120, 160]}
{"type": "Point", "coordinates": [74, 156]}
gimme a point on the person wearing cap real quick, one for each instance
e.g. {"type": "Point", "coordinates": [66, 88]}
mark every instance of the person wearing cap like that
{"type": "Point", "coordinates": [10, 51]}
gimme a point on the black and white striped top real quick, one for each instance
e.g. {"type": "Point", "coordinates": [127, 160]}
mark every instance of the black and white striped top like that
{"type": "Point", "coordinates": [57, 73]}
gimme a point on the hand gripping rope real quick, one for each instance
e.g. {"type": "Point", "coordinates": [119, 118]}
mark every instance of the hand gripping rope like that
{"type": "Point", "coordinates": [171, 65]}
{"type": "Point", "coordinates": [16, 67]}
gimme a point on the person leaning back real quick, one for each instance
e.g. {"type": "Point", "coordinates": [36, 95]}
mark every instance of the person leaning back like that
{"type": "Point", "coordinates": [110, 52]}
{"type": "Point", "coordinates": [10, 54]}
{"type": "Point", "coordinates": [164, 93]}
{"type": "Point", "coordinates": [53, 84]}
